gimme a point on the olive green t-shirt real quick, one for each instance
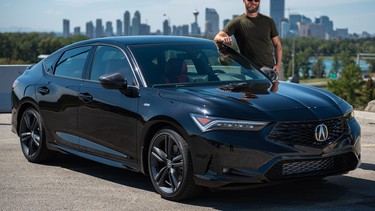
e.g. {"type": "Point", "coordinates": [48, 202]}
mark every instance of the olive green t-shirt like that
{"type": "Point", "coordinates": [254, 37]}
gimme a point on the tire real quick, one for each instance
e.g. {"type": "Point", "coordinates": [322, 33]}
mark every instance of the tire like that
{"type": "Point", "coordinates": [32, 137]}
{"type": "Point", "coordinates": [170, 166]}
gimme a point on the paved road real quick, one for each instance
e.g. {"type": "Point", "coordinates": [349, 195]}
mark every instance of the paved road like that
{"type": "Point", "coordinates": [72, 183]}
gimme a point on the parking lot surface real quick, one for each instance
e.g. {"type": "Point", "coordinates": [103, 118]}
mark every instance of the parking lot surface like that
{"type": "Point", "coordinates": [72, 183]}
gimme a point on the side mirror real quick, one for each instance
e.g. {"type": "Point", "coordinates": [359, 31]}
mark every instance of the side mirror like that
{"type": "Point", "coordinates": [270, 73]}
{"type": "Point", "coordinates": [113, 81]}
{"type": "Point", "coordinates": [117, 81]}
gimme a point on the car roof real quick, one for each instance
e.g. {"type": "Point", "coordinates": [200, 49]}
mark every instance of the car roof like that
{"type": "Point", "coordinates": [139, 40]}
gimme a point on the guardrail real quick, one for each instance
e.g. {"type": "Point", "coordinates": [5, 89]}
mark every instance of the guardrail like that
{"type": "Point", "coordinates": [8, 73]}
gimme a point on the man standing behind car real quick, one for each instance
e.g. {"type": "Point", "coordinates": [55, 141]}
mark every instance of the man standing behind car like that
{"type": "Point", "coordinates": [256, 36]}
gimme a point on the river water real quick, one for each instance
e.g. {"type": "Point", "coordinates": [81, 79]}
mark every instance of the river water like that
{"type": "Point", "coordinates": [329, 61]}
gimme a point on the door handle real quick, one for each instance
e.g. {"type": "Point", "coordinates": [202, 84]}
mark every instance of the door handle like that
{"type": "Point", "coordinates": [85, 97]}
{"type": "Point", "coordinates": [43, 90]}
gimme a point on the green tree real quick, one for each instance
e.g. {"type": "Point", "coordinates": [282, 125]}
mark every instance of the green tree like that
{"type": "Point", "coordinates": [336, 64]}
{"type": "Point", "coordinates": [287, 58]}
{"type": "Point", "coordinates": [368, 92]}
{"type": "Point", "coordinates": [302, 61]}
{"type": "Point", "coordinates": [6, 46]}
{"type": "Point", "coordinates": [347, 58]}
{"type": "Point", "coordinates": [26, 47]}
{"type": "Point", "coordinates": [371, 67]}
{"type": "Point", "coordinates": [349, 86]}
{"type": "Point", "coordinates": [318, 68]}
{"type": "Point", "coordinates": [49, 44]}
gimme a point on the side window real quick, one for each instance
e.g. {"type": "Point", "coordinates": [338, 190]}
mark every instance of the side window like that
{"type": "Point", "coordinates": [72, 62]}
{"type": "Point", "coordinates": [111, 60]}
{"type": "Point", "coordinates": [49, 62]}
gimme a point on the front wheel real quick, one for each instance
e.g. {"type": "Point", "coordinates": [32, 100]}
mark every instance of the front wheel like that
{"type": "Point", "coordinates": [32, 137]}
{"type": "Point", "coordinates": [170, 166]}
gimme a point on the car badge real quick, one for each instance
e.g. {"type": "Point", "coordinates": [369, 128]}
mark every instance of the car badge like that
{"type": "Point", "coordinates": [321, 133]}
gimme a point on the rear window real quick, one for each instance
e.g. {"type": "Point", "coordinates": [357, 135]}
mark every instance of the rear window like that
{"type": "Point", "coordinates": [49, 62]}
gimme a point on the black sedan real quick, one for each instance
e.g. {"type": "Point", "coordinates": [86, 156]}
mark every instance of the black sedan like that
{"type": "Point", "coordinates": [178, 110]}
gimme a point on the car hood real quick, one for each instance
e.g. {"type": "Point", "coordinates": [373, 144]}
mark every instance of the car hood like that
{"type": "Point", "coordinates": [263, 101]}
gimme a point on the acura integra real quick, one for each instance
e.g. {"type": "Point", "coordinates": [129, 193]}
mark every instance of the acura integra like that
{"type": "Point", "coordinates": [176, 109]}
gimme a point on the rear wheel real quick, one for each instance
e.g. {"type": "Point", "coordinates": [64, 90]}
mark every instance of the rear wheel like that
{"type": "Point", "coordinates": [32, 137]}
{"type": "Point", "coordinates": [170, 166]}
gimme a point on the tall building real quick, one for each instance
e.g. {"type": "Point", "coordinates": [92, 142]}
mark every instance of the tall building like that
{"type": "Point", "coordinates": [317, 31]}
{"type": "Point", "coordinates": [293, 20]}
{"type": "Point", "coordinates": [306, 19]}
{"type": "Point", "coordinates": [119, 27]}
{"type": "Point", "coordinates": [311, 30]}
{"type": "Point", "coordinates": [365, 35]}
{"type": "Point", "coordinates": [127, 31]}
{"type": "Point", "coordinates": [225, 22]}
{"type": "Point", "coordinates": [327, 25]}
{"type": "Point", "coordinates": [195, 29]}
{"type": "Point", "coordinates": [108, 29]}
{"type": "Point", "coordinates": [277, 12]}
{"type": "Point", "coordinates": [136, 23]}
{"type": "Point", "coordinates": [212, 22]}
{"type": "Point", "coordinates": [77, 30]}
{"type": "Point", "coordinates": [166, 28]}
{"type": "Point", "coordinates": [66, 28]}
{"type": "Point", "coordinates": [90, 29]}
{"type": "Point", "coordinates": [99, 32]}
{"type": "Point", "coordinates": [342, 33]}
{"type": "Point", "coordinates": [184, 30]}
{"type": "Point", "coordinates": [144, 29]}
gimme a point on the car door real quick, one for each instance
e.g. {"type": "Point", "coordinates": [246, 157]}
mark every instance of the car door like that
{"type": "Point", "coordinates": [107, 118]}
{"type": "Point", "coordinates": [57, 94]}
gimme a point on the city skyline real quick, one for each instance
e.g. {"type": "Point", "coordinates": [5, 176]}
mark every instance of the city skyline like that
{"type": "Point", "coordinates": [293, 26]}
{"type": "Point", "coordinates": [350, 14]}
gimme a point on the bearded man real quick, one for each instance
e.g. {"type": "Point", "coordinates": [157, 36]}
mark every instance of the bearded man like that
{"type": "Point", "coordinates": [256, 36]}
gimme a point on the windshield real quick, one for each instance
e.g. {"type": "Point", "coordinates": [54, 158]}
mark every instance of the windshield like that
{"type": "Point", "coordinates": [164, 64]}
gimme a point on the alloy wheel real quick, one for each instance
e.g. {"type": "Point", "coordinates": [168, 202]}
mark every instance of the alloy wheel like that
{"type": "Point", "coordinates": [32, 137]}
{"type": "Point", "coordinates": [30, 134]}
{"type": "Point", "coordinates": [166, 163]}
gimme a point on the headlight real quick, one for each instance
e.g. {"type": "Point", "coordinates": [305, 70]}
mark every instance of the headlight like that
{"type": "Point", "coordinates": [207, 123]}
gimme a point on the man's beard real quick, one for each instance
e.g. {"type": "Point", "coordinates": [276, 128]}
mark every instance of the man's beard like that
{"type": "Point", "coordinates": [251, 9]}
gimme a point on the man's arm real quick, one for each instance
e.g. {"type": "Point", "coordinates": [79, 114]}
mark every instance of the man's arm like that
{"type": "Point", "coordinates": [278, 53]}
{"type": "Point", "coordinates": [223, 37]}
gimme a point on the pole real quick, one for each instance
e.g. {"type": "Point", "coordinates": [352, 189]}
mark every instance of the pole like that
{"type": "Point", "coordinates": [293, 54]}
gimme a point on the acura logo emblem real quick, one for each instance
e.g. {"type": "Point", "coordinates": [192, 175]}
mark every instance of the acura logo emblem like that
{"type": "Point", "coordinates": [321, 133]}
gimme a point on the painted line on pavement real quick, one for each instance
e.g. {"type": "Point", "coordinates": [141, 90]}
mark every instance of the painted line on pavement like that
{"type": "Point", "coordinates": [368, 145]}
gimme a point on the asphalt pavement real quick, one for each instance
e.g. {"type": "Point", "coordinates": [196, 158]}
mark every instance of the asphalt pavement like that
{"type": "Point", "coordinates": [72, 183]}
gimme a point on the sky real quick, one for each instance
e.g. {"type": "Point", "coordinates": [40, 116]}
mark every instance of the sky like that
{"type": "Point", "coordinates": [48, 15]}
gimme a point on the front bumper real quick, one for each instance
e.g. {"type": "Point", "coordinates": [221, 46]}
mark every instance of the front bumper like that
{"type": "Point", "coordinates": [224, 163]}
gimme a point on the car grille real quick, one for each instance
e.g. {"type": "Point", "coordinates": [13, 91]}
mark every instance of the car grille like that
{"type": "Point", "coordinates": [304, 132]}
{"type": "Point", "coordinates": [287, 169]}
